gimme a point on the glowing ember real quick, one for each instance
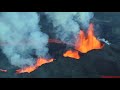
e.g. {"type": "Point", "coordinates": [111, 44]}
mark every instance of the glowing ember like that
{"type": "Point", "coordinates": [3, 70]}
{"type": "Point", "coordinates": [89, 42]}
{"type": "Point", "coordinates": [72, 54]}
{"type": "Point", "coordinates": [29, 69]}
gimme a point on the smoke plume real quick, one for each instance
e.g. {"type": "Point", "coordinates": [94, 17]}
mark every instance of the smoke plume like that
{"type": "Point", "coordinates": [68, 24]}
{"type": "Point", "coordinates": [21, 35]}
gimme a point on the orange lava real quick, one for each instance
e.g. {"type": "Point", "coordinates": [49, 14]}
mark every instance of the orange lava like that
{"type": "Point", "coordinates": [29, 69]}
{"type": "Point", "coordinates": [3, 70]}
{"type": "Point", "coordinates": [72, 54]}
{"type": "Point", "coordinates": [85, 43]}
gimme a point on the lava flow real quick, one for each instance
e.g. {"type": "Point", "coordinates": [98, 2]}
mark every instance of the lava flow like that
{"type": "Point", "coordinates": [72, 54]}
{"type": "Point", "coordinates": [3, 70]}
{"type": "Point", "coordinates": [59, 42]}
{"type": "Point", "coordinates": [55, 41]}
{"type": "Point", "coordinates": [86, 43]}
{"type": "Point", "coordinates": [39, 62]}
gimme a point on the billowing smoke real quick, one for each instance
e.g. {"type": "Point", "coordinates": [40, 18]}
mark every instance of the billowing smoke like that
{"type": "Point", "coordinates": [68, 24]}
{"type": "Point", "coordinates": [84, 18]}
{"type": "Point", "coordinates": [21, 36]}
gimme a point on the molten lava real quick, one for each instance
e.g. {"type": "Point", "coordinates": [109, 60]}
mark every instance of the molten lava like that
{"type": "Point", "coordinates": [86, 43]}
{"type": "Point", "coordinates": [72, 54]}
{"type": "Point", "coordinates": [3, 70]}
{"type": "Point", "coordinates": [39, 62]}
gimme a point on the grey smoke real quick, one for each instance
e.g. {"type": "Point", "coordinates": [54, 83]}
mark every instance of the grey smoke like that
{"type": "Point", "coordinates": [67, 24]}
{"type": "Point", "coordinates": [21, 33]}
{"type": "Point", "coordinates": [84, 18]}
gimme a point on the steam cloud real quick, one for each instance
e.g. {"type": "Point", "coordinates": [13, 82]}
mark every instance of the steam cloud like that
{"type": "Point", "coordinates": [21, 34]}
{"type": "Point", "coordinates": [67, 24]}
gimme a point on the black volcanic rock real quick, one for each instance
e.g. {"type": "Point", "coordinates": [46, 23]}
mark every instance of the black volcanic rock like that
{"type": "Point", "coordinates": [93, 64]}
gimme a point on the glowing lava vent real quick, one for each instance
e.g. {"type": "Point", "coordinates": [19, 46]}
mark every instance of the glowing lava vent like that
{"type": "Point", "coordinates": [72, 54]}
{"type": "Point", "coordinates": [85, 43]}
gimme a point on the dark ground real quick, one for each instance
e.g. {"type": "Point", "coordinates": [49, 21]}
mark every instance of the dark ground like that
{"type": "Point", "coordinates": [93, 64]}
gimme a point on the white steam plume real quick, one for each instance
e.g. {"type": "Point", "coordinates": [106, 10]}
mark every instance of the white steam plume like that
{"type": "Point", "coordinates": [21, 34]}
{"type": "Point", "coordinates": [84, 18]}
{"type": "Point", "coordinates": [67, 24]}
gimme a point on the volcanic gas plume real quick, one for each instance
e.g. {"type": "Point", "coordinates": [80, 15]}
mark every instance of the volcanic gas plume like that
{"type": "Point", "coordinates": [23, 38]}
{"type": "Point", "coordinates": [67, 24]}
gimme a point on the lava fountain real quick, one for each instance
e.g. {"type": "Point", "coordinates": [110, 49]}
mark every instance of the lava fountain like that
{"type": "Point", "coordinates": [85, 43]}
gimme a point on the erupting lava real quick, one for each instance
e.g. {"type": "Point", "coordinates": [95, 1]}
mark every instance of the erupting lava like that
{"type": "Point", "coordinates": [72, 54]}
{"type": "Point", "coordinates": [39, 62]}
{"type": "Point", "coordinates": [89, 42]}
{"type": "Point", "coordinates": [3, 70]}
{"type": "Point", "coordinates": [83, 43]}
